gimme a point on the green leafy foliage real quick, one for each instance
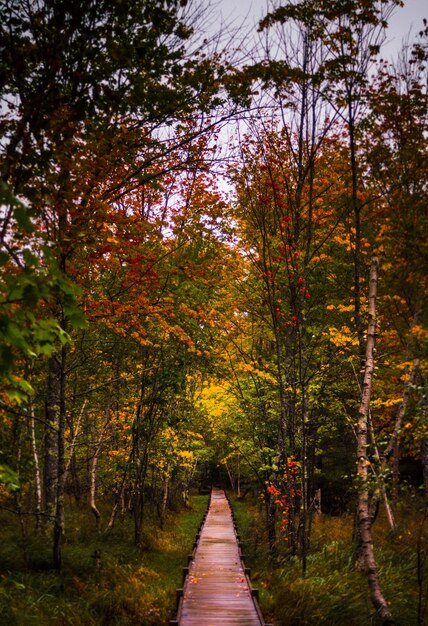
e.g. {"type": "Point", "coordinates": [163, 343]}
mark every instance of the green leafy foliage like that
{"type": "Point", "coordinates": [9, 478]}
{"type": "Point", "coordinates": [30, 284]}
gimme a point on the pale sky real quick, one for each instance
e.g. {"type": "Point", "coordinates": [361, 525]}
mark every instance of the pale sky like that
{"type": "Point", "coordinates": [406, 19]}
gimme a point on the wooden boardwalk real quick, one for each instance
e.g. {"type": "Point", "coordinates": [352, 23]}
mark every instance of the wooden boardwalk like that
{"type": "Point", "coordinates": [217, 591]}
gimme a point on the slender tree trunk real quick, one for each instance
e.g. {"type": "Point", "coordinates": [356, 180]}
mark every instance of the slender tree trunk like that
{"type": "Point", "coordinates": [318, 502]}
{"type": "Point", "coordinates": [18, 496]}
{"type": "Point", "coordinates": [93, 470]}
{"type": "Point", "coordinates": [58, 396]}
{"type": "Point", "coordinates": [231, 479]}
{"type": "Point", "coordinates": [304, 482]}
{"type": "Point", "coordinates": [138, 500]}
{"type": "Point", "coordinates": [356, 238]}
{"type": "Point", "coordinates": [271, 522]}
{"type": "Point", "coordinates": [120, 500]}
{"type": "Point", "coordinates": [393, 449]}
{"type": "Point", "coordinates": [424, 444]}
{"type": "Point", "coordinates": [164, 495]}
{"type": "Point", "coordinates": [71, 463]}
{"type": "Point", "coordinates": [50, 475]}
{"type": "Point", "coordinates": [75, 480]}
{"type": "Point", "coordinates": [395, 471]}
{"type": "Point", "coordinates": [37, 476]}
{"type": "Point", "coordinates": [61, 473]}
{"type": "Point", "coordinates": [364, 525]}
{"type": "Point", "coordinates": [380, 489]}
{"type": "Point", "coordinates": [113, 514]}
{"type": "Point", "coordinates": [424, 460]}
{"type": "Point", "coordinates": [93, 489]}
{"type": "Point", "coordinates": [374, 506]}
{"type": "Point", "coordinates": [138, 509]}
{"type": "Point", "coordinates": [139, 458]}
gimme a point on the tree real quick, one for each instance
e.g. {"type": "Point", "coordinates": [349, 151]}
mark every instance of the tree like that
{"type": "Point", "coordinates": [100, 103]}
{"type": "Point", "coordinates": [395, 148]}
{"type": "Point", "coordinates": [364, 521]}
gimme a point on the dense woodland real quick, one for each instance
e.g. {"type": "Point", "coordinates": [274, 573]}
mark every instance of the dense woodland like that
{"type": "Point", "coordinates": [214, 255]}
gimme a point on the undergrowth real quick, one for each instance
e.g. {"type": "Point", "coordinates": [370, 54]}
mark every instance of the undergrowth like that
{"type": "Point", "coordinates": [130, 586]}
{"type": "Point", "coordinates": [333, 592]}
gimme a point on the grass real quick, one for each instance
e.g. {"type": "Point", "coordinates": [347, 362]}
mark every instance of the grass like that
{"type": "Point", "coordinates": [131, 587]}
{"type": "Point", "coordinates": [333, 592]}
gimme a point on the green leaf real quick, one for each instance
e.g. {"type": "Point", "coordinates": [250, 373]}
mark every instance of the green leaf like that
{"type": "Point", "coordinates": [16, 337]}
{"type": "Point", "coordinates": [23, 217]}
{"type": "Point", "coordinates": [9, 478]}
{"type": "Point", "coordinates": [15, 395]}
{"type": "Point", "coordinates": [75, 316]}
{"type": "Point", "coordinates": [30, 259]}
{"type": "Point", "coordinates": [30, 295]}
{"type": "Point", "coordinates": [64, 337]}
{"type": "Point", "coordinates": [25, 386]}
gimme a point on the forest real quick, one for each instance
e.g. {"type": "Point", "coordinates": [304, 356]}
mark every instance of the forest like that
{"type": "Point", "coordinates": [213, 271]}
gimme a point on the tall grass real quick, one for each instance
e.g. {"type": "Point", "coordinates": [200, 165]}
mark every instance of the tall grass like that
{"type": "Point", "coordinates": [333, 592]}
{"type": "Point", "coordinates": [130, 587]}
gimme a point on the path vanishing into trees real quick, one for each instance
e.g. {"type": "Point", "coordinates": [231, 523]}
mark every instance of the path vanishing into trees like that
{"type": "Point", "coordinates": [217, 591]}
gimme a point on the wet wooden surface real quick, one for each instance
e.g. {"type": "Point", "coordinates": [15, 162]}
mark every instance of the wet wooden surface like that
{"type": "Point", "coordinates": [217, 591]}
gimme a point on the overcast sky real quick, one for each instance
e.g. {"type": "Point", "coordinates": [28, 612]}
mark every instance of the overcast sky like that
{"type": "Point", "coordinates": [406, 19]}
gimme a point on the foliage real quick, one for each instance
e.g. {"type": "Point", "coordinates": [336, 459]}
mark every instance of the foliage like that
{"type": "Point", "coordinates": [129, 585]}
{"type": "Point", "coordinates": [158, 332]}
{"type": "Point", "coordinates": [333, 592]}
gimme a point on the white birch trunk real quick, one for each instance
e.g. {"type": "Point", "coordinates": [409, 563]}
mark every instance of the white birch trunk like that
{"type": "Point", "coordinates": [364, 522]}
{"type": "Point", "coordinates": [37, 475]}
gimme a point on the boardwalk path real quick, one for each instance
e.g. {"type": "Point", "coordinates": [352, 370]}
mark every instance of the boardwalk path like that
{"type": "Point", "coordinates": [217, 591]}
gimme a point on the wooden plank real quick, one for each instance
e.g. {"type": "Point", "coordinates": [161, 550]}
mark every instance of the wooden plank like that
{"type": "Point", "coordinates": [217, 592]}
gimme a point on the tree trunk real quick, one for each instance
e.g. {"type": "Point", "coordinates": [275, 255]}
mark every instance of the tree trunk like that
{"type": "Point", "coordinates": [61, 473]}
{"type": "Point", "coordinates": [164, 495]}
{"type": "Point", "coordinates": [120, 500]}
{"type": "Point", "coordinates": [50, 475]}
{"type": "Point", "coordinates": [271, 522]}
{"type": "Point", "coordinates": [138, 509]}
{"type": "Point", "coordinates": [93, 489]}
{"type": "Point", "coordinates": [356, 237]}
{"type": "Point", "coordinates": [395, 471]}
{"type": "Point", "coordinates": [303, 538]}
{"type": "Point", "coordinates": [364, 525]}
{"type": "Point", "coordinates": [75, 480]}
{"type": "Point", "coordinates": [424, 448]}
{"type": "Point", "coordinates": [380, 489]}
{"type": "Point", "coordinates": [424, 460]}
{"type": "Point", "coordinates": [37, 476]}
{"type": "Point", "coordinates": [231, 479]}
{"type": "Point", "coordinates": [19, 495]}
{"type": "Point", "coordinates": [393, 449]}
{"type": "Point", "coordinates": [71, 465]}
{"type": "Point", "coordinates": [93, 470]}
{"type": "Point", "coordinates": [138, 499]}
